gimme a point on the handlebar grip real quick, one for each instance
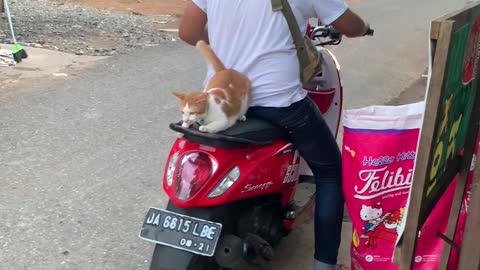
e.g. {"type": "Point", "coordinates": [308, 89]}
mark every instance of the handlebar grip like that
{"type": "Point", "coordinates": [369, 32]}
{"type": "Point", "coordinates": [334, 34]}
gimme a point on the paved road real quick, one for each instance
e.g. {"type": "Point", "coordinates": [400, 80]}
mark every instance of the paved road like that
{"type": "Point", "coordinates": [82, 157]}
{"type": "Point", "coordinates": [377, 69]}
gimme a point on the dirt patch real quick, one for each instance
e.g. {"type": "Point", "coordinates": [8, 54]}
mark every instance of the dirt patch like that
{"type": "Point", "coordinates": [68, 27]}
{"type": "Point", "coordinates": [173, 8]}
{"type": "Point", "coordinates": [143, 7]}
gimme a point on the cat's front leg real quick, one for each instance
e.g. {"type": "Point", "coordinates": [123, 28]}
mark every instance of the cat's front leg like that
{"type": "Point", "coordinates": [215, 126]}
{"type": "Point", "coordinates": [243, 118]}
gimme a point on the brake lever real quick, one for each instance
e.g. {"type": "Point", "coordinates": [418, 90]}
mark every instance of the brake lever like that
{"type": "Point", "coordinates": [321, 35]}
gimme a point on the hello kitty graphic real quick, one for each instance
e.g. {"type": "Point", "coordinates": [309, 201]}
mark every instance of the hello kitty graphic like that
{"type": "Point", "coordinates": [371, 215]}
{"type": "Point", "coordinates": [380, 225]}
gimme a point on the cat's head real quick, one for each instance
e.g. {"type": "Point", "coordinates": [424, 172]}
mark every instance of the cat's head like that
{"type": "Point", "coordinates": [371, 213]}
{"type": "Point", "coordinates": [193, 106]}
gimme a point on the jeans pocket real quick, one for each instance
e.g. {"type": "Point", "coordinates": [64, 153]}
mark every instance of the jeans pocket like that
{"type": "Point", "coordinates": [295, 118]}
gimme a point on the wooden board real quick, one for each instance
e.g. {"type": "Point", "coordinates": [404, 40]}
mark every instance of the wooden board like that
{"type": "Point", "coordinates": [470, 256]}
{"type": "Point", "coordinates": [449, 124]}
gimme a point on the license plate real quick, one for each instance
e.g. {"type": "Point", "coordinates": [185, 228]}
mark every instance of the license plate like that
{"type": "Point", "coordinates": [182, 232]}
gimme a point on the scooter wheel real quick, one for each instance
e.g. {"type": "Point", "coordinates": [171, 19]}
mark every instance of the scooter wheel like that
{"type": "Point", "coordinates": [167, 258]}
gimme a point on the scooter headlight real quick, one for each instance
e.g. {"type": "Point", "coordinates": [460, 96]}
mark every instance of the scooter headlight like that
{"type": "Point", "coordinates": [226, 183]}
{"type": "Point", "coordinates": [171, 169]}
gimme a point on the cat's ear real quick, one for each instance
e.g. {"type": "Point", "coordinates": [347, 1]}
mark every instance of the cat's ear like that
{"type": "Point", "coordinates": [179, 95]}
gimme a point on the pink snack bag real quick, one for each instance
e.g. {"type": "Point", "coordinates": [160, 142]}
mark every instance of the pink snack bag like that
{"type": "Point", "coordinates": [379, 150]}
{"type": "Point", "coordinates": [455, 256]}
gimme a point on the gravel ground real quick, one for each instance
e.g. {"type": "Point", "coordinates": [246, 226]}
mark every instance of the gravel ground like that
{"type": "Point", "coordinates": [70, 28]}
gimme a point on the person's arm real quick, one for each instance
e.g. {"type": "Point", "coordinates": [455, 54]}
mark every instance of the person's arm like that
{"type": "Point", "coordinates": [337, 14]}
{"type": "Point", "coordinates": [193, 26]}
{"type": "Point", "coordinates": [350, 24]}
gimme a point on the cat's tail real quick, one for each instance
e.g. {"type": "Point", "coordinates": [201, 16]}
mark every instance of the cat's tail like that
{"type": "Point", "coordinates": [208, 53]}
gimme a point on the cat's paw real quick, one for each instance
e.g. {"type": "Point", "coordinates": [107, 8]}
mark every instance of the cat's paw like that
{"type": "Point", "coordinates": [243, 118]}
{"type": "Point", "coordinates": [204, 129]}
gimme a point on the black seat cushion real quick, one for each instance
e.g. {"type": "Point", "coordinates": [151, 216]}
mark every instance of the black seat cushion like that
{"type": "Point", "coordinates": [253, 131]}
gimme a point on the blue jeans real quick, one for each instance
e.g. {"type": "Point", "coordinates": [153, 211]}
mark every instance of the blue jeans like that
{"type": "Point", "coordinates": [309, 132]}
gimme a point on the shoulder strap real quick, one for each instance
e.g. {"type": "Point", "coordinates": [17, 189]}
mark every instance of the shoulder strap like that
{"type": "Point", "coordinates": [284, 6]}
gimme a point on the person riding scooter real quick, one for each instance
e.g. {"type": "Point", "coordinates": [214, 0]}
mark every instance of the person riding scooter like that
{"type": "Point", "coordinates": [248, 36]}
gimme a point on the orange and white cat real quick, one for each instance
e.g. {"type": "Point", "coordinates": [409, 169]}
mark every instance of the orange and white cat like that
{"type": "Point", "coordinates": [224, 100]}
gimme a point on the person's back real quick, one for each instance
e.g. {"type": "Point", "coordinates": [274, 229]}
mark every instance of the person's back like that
{"type": "Point", "coordinates": [260, 44]}
{"type": "Point", "coordinates": [247, 35]}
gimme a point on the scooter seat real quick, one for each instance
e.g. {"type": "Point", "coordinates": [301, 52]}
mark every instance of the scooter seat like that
{"type": "Point", "coordinates": [253, 131]}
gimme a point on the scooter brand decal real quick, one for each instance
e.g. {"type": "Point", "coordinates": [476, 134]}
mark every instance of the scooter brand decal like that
{"type": "Point", "coordinates": [250, 187]}
{"type": "Point", "coordinates": [292, 170]}
{"type": "Point", "coordinates": [292, 174]}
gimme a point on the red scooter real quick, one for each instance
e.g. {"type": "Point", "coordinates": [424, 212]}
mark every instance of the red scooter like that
{"type": "Point", "coordinates": [232, 194]}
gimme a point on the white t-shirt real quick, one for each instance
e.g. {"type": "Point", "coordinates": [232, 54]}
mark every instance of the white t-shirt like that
{"type": "Point", "coordinates": [248, 36]}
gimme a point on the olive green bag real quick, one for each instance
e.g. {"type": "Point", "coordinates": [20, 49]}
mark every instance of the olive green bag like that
{"type": "Point", "coordinates": [309, 58]}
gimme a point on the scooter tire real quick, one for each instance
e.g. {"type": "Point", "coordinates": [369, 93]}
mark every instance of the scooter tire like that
{"type": "Point", "coordinates": [196, 262]}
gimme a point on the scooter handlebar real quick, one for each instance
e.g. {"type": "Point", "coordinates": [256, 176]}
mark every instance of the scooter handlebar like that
{"type": "Point", "coordinates": [334, 37]}
{"type": "Point", "coordinates": [325, 31]}
{"type": "Point", "coordinates": [328, 31]}
{"type": "Point", "coordinates": [369, 32]}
